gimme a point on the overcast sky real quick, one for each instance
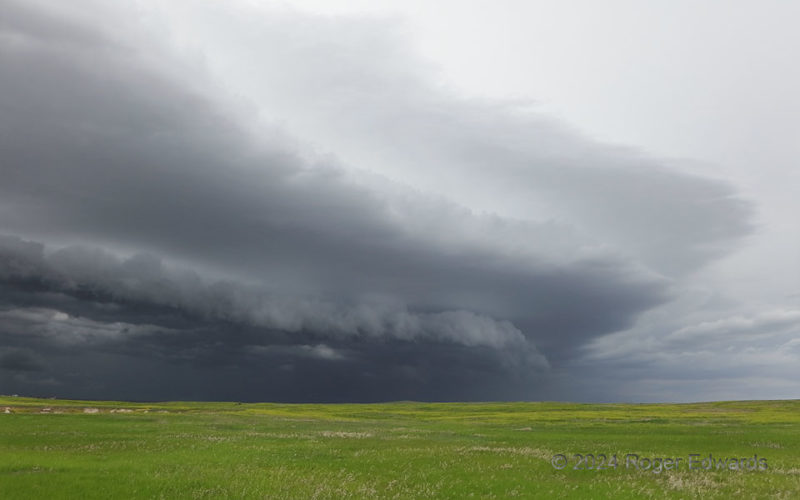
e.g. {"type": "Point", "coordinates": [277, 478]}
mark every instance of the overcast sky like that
{"type": "Point", "coordinates": [368, 201]}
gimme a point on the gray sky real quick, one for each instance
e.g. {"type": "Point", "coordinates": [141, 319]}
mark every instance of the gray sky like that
{"type": "Point", "coordinates": [361, 201]}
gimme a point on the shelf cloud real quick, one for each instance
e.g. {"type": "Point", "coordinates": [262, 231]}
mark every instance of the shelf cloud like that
{"type": "Point", "coordinates": [277, 205]}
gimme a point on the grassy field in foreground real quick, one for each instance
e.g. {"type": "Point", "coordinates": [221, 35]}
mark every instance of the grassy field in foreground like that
{"type": "Point", "coordinates": [90, 449]}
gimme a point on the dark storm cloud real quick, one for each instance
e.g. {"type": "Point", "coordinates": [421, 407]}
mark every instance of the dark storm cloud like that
{"type": "Point", "coordinates": [222, 255]}
{"type": "Point", "coordinates": [117, 334]}
{"type": "Point", "coordinates": [20, 360]}
{"type": "Point", "coordinates": [93, 277]}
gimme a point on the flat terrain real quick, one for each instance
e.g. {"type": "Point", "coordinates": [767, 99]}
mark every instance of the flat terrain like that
{"type": "Point", "coordinates": [90, 449]}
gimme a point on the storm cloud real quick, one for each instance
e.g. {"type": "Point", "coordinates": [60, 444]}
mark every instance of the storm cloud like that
{"type": "Point", "coordinates": [284, 206]}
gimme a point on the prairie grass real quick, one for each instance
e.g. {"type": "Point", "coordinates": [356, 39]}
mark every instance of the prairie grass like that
{"type": "Point", "coordinates": [107, 449]}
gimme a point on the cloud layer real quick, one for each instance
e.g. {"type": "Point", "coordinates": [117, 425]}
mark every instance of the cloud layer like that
{"type": "Point", "coordinates": [278, 202]}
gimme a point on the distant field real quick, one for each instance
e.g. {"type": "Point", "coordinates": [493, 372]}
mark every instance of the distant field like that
{"type": "Point", "coordinates": [91, 449]}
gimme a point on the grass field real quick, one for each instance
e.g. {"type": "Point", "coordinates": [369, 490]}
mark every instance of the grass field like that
{"type": "Point", "coordinates": [90, 449]}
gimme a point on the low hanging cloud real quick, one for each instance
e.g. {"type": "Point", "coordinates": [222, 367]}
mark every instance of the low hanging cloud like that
{"type": "Point", "coordinates": [141, 280]}
{"type": "Point", "coordinates": [270, 193]}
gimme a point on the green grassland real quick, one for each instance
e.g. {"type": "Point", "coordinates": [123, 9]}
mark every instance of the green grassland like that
{"type": "Point", "coordinates": [89, 449]}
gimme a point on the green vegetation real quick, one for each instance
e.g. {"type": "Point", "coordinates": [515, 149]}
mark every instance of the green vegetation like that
{"type": "Point", "coordinates": [80, 449]}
